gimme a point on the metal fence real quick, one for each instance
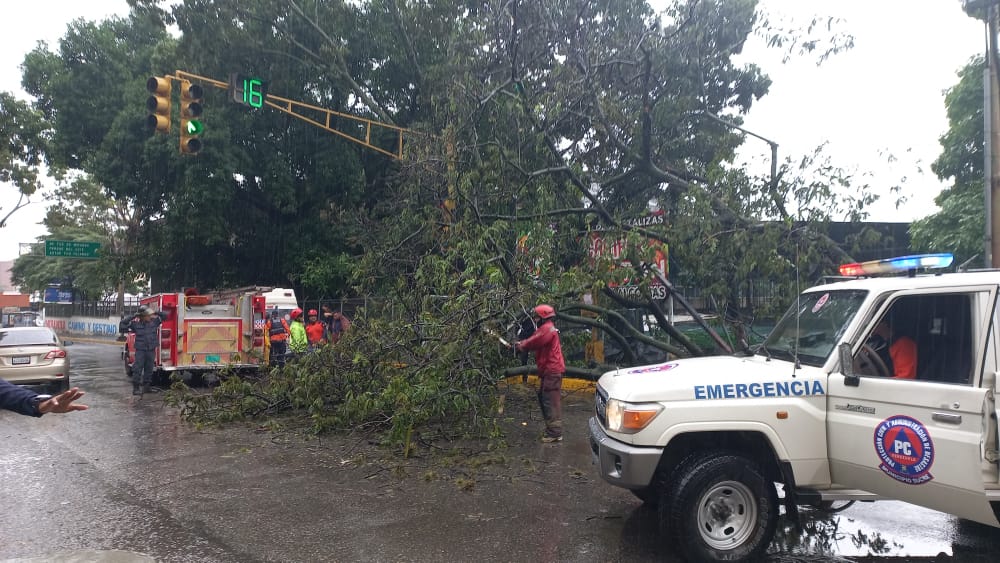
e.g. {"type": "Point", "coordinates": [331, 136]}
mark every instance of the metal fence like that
{"type": "Point", "coordinates": [97, 309]}
{"type": "Point", "coordinates": [755, 295]}
{"type": "Point", "coordinates": [348, 307]}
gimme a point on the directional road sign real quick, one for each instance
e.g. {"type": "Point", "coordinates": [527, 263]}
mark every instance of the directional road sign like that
{"type": "Point", "coordinates": [72, 249]}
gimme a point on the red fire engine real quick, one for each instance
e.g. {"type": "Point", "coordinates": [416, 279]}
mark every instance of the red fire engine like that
{"type": "Point", "coordinates": [206, 332]}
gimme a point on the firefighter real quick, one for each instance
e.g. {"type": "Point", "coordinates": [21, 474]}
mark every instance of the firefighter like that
{"type": "Point", "coordinates": [277, 333]}
{"type": "Point", "coordinates": [551, 367]}
{"type": "Point", "coordinates": [315, 330]}
{"type": "Point", "coordinates": [146, 327]}
{"type": "Point", "coordinates": [298, 341]}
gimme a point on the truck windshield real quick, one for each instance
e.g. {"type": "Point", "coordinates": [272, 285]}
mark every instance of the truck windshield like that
{"type": "Point", "coordinates": [812, 326]}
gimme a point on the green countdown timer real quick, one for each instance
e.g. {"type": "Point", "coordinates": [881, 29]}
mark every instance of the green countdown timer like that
{"type": "Point", "coordinates": [248, 90]}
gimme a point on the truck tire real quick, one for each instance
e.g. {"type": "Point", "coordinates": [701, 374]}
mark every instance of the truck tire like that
{"type": "Point", "coordinates": [721, 508]}
{"type": "Point", "coordinates": [648, 495]}
{"type": "Point", "coordinates": [652, 495]}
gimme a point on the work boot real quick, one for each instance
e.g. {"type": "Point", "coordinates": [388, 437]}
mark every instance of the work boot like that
{"type": "Point", "coordinates": [135, 389]}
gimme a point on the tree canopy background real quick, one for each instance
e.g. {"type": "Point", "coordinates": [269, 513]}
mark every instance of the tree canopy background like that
{"type": "Point", "coordinates": [531, 126]}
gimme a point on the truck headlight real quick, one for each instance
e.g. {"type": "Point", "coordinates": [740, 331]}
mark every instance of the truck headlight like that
{"type": "Point", "coordinates": [630, 417]}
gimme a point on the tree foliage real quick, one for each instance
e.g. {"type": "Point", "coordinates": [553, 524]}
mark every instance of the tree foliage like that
{"type": "Point", "coordinates": [531, 128]}
{"type": "Point", "coordinates": [23, 152]}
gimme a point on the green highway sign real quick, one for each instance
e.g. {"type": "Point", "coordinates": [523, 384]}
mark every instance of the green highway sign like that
{"type": "Point", "coordinates": [72, 249]}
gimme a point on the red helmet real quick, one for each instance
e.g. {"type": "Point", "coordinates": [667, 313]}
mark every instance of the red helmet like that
{"type": "Point", "coordinates": [296, 313]}
{"type": "Point", "coordinates": [313, 313]}
{"type": "Point", "coordinates": [545, 312]}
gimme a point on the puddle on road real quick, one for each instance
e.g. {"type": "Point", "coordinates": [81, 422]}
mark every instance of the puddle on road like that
{"type": "Point", "coordinates": [87, 556]}
{"type": "Point", "coordinates": [888, 529]}
{"type": "Point", "coordinates": [885, 531]}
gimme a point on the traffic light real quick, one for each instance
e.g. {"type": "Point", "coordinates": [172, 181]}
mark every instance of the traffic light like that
{"type": "Point", "coordinates": [247, 90]}
{"type": "Point", "coordinates": [158, 104]}
{"type": "Point", "coordinates": [191, 124]}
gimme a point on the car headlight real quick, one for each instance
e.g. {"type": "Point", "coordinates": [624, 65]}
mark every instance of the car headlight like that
{"type": "Point", "coordinates": [630, 417]}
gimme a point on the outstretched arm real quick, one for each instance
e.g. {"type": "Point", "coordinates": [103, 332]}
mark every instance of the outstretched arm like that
{"type": "Point", "coordinates": [63, 402]}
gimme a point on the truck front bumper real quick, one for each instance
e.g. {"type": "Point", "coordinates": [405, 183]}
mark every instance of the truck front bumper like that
{"type": "Point", "coordinates": [619, 463]}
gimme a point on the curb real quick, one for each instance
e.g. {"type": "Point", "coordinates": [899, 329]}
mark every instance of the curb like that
{"type": "Point", "coordinates": [568, 383]}
{"type": "Point", "coordinates": [90, 340]}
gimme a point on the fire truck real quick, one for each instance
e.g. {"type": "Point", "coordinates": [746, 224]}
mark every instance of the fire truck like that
{"type": "Point", "coordinates": [205, 333]}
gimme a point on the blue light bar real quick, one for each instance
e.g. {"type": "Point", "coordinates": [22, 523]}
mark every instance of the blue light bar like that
{"type": "Point", "coordinates": [897, 265]}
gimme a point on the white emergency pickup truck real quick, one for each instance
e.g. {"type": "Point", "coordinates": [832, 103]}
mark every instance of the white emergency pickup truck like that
{"type": "Point", "coordinates": [831, 407]}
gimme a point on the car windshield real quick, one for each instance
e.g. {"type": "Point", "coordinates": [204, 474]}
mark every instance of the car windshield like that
{"type": "Point", "coordinates": [812, 327]}
{"type": "Point", "coordinates": [28, 337]}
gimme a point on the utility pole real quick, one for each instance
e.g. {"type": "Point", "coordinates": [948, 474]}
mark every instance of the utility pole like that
{"type": "Point", "coordinates": [989, 12]}
{"type": "Point", "coordinates": [992, 148]}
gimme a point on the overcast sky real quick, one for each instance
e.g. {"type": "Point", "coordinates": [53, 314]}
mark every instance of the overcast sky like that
{"type": "Point", "coordinates": [884, 96]}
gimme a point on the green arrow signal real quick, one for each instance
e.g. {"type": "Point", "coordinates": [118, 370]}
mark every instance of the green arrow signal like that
{"type": "Point", "coordinates": [194, 127]}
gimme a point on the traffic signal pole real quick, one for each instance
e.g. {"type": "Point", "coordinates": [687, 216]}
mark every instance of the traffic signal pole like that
{"type": "Point", "coordinates": [324, 121]}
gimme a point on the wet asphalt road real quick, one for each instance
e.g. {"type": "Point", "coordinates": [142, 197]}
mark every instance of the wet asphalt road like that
{"type": "Point", "coordinates": [128, 481]}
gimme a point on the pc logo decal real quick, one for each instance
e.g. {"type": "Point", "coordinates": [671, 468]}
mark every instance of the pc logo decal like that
{"type": "Point", "coordinates": [905, 448]}
{"type": "Point", "coordinates": [650, 369]}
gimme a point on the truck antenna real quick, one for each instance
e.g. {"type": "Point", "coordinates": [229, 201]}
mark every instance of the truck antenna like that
{"type": "Point", "coordinates": [798, 313]}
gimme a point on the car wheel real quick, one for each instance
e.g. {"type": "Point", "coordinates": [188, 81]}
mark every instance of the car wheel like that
{"type": "Point", "coordinates": [59, 387]}
{"type": "Point", "coordinates": [722, 508]}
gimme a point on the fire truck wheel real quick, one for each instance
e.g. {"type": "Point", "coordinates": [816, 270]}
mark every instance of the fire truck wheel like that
{"type": "Point", "coordinates": [161, 378]}
{"type": "Point", "coordinates": [721, 507]}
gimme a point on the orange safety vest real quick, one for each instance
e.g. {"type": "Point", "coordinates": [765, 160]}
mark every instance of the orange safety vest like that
{"type": "Point", "coordinates": [277, 333]}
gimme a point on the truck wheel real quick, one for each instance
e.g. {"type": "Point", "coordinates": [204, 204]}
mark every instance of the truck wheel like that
{"type": "Point", "coordinates": [648, 495]}
{"type": "Point", "coordinates": [652, 495]}
{"type": "Point", "coordinates": [722, 508]}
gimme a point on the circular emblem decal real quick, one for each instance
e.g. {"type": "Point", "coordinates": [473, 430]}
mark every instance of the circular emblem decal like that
{"type": "Point", "coordinates": [822, 301]}
{"type": "Point", "coordinates": [905, 448]}
{"type": "Point", "coordinates": [650, 369]}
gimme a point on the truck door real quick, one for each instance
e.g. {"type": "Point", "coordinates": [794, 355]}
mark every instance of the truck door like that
{"type": "Point", "coordinates": [919, 440]}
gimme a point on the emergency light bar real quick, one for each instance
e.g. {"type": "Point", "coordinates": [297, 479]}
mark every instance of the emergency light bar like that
{"type": "Point", "coordinates": [896, 265]}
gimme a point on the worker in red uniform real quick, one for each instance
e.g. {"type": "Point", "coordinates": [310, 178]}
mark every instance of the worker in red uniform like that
{"type": "Point", "coordinates": [551, 367]}
{"type": "Point", "coordinates": [898, 352]}
{"type": "Point", "coordinates": [315, 330]}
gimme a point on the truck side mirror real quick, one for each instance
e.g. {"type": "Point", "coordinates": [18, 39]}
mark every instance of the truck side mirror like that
{"type": "Point", "coordinates": [851, 379]}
